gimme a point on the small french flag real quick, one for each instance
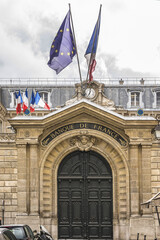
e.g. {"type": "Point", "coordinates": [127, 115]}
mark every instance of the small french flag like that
{"type": "Point", "coordinates": [19, 101]}
{"type": "Point", "coordinates": [16, 97]}
{"type": "Point", "coordinates": [25, 101]}
{"type": "Point", "coordinates": [32, 102]}
{"type": "Point", "coordinates": [40, 102]}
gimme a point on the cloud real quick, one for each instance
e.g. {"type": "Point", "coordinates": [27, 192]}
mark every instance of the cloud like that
{"type": "Point", "coordinates": [128, 43]}
{"type": "Point", "coordinates": [110, 66]}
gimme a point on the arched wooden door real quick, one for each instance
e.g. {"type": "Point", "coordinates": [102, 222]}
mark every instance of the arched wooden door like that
{"type": "Point", "coordinates": [84, 197]}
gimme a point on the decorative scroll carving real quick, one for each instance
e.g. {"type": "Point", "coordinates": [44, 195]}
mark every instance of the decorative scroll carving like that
{"type": "Point", "coordinates": [109, 104]}
{"type": "Point", "coordinates": [7, 137]}
{"type": "Point", "coordinates": [83, 142]}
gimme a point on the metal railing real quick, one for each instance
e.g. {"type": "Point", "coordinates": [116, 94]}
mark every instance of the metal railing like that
{"type": "Point", "coordinates": [45, 82]}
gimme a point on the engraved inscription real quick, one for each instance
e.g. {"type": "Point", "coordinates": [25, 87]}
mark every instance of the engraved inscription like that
{"type": "Point", "coordinates": [93, 126]}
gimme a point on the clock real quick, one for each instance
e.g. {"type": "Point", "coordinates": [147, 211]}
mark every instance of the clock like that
{"type": "Point", "coordinates": [90, 93]}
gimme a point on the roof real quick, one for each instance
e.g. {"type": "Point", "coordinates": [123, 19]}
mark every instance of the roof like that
{"type": "Point", "coordinates": [89, 103]}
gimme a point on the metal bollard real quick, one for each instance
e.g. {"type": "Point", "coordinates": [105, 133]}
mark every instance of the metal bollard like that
{"type": "Point", "coordinates": [137, 236]}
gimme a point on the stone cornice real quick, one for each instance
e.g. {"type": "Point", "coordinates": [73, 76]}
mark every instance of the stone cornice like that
{"type": "Point", "coordinates": [83, 107]}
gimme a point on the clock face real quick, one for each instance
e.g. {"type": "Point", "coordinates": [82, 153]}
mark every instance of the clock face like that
{"type": "Point", "coordinates": [90, 93]}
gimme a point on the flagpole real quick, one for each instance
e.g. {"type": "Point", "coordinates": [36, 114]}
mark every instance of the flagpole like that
{"type": "Point", "coordinates": [98, 24]}
{"type": "Point", "coordinates": [94, 42]}
{"type": "Point", "coordinates": [76, 46]}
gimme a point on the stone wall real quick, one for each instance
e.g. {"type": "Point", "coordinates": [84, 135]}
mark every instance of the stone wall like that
{"type": "Point", "coordinates": [155, 168]}
{"type": "Point", "coordinates": [28, 169]}
{"type": "Point", "coordinates": [8, 182]}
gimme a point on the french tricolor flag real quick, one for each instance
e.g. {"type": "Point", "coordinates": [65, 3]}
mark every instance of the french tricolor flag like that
{"type": "Point", "coordinates": [40, 102]}
{"type": "Point", "coordinates": [19, 101]}
{"type": "Point", "coordinates": [25, 101]}
{"type": "Point", "coordinates": [16, 97]}
{"type": "Point", "coordinates": [32, 102]}
{"type": "Point", "coordinates": [90, 54]}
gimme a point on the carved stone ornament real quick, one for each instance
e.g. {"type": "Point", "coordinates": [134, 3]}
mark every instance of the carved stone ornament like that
{"type": "Point", "coordinates": [83, 142]}
{"type": "Point", "coordinates": [3, 110]}
{"type": "Point", "coordinates": [94, 92]}
{"type": "Point", "coordinates": [7, 137]}
{"type": "Point", "coordinates": [27, 134]}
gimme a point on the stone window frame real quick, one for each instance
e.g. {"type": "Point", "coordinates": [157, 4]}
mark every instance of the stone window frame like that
{"type": "Point", "coordinates": [141, 103]}
{"type": "Point", "coordinates": [155, 91]}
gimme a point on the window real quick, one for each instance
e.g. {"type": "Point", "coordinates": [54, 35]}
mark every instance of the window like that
{"type": "Point", "coordinates": [156, 96]}
{"type": "Point", "coordinates": [13, 103]}
{"type": "Point", "coordinates": [44, 96]}
{"type": "Point", "coordinates": [135, 96]}
{"type": "Point", "coordinates": [18, 232]}
{"type": "Point", "coordinates": [8, 235]}
{"type": "Point", "coordinates": [29, 231]}
{"type": "Point", "coordinates": [158, 99]}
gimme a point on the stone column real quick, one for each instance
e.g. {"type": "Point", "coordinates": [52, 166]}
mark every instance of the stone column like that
{"type": "Point", "coordinates": [34, 178]}
{"type": "Point", "coordinates": [146, 176]}
{"type": "Point", "coordinates": [23, 187]}
{"type": "Point", "coordinates": [134, 180]}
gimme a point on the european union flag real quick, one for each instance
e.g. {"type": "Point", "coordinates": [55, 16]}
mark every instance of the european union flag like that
{"type": "Point", "coordinates": [63, 47]}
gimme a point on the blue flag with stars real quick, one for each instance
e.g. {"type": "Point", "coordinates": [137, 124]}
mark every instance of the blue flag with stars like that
{"type": "Point", "coordinates": [63, 47]}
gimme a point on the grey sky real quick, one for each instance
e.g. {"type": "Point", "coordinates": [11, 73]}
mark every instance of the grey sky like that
{"type": "Point", "coordinates": [129, 42]}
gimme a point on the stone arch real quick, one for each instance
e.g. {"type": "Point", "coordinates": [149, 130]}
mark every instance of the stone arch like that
{"type": "Point", "coordinates": [116, 156]}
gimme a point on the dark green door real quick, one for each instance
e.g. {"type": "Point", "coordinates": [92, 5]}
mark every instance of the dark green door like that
{"type": "Point", "coordinates": [84, 197]}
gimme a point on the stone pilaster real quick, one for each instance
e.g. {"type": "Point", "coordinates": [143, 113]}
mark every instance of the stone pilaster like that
{"type": "Point", "coordinates": [34, 179]}
{"type": "Point", "coordinates": [146, 176]}
{"type": "Point", "coordinates": [134, 180]}
{"type": "Point", "coordinates": [23, 187]}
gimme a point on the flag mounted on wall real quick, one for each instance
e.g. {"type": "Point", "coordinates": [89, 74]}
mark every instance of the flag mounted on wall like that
{"type": "Point", "coordinates": [63, 47]}
{"type": "Point", "coordinates": [19, 102]}
{"type": "Point", "coordinates": [90, 54]}
{"type": "Point", "coordinates": [25, 101]}
{"type": "Point", "coordinates": [40, 102]}
{"type": "Point", "coordinates": [32, 102]}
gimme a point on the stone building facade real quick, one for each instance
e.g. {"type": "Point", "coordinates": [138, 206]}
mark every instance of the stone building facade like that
{"type": "Point", "coordinates": [84, 168]}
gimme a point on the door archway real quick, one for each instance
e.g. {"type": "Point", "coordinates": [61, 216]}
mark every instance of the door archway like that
{"type": "Point", "coordinates": [85, 197]}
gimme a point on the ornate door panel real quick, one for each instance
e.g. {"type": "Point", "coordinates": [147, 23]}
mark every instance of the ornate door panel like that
{"type": "Point", "coordinates": [84, 197]}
